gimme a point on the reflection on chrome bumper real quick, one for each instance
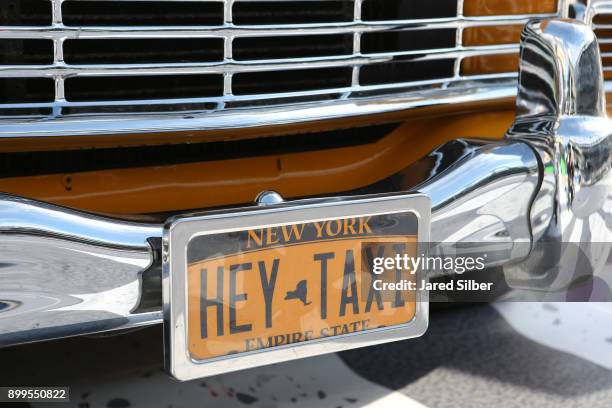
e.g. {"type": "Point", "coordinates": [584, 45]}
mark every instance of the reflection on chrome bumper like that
{"type": "Point", "coordinates": [66, 273]}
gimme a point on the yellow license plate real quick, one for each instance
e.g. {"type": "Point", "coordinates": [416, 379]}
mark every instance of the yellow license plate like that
{"type": "Point", "coordinates": [275, 286]}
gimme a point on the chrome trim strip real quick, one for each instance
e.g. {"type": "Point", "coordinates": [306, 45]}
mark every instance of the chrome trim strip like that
{"type": "Point", "coordinates": [61, 31]}
{"type": "Point", "coordinates": [237, 66]}
{"type": "Point", "coordinates": [488, 82]}
{"type": "Point", "coordinates": [22, 216]}
{"type": "Point", "coordinates": [101, 124]}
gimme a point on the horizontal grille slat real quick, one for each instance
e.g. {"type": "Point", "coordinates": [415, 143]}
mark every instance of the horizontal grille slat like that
{"type": "Point", "coordinates": [260, 99]}
{"type": "Point", "coordinates": [113, 57]}
{"type": "Point", "coordinates": [260, 31]}
{"type": "Point", "coordinates": [237, 66]}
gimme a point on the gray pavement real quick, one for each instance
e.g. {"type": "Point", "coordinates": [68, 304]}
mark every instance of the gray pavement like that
{"type": "Point", "coordinates": [477, 356]}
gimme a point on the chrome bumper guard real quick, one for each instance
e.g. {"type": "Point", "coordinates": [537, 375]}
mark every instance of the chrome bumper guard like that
{"type": "Point", "coordinates": [65, 273]}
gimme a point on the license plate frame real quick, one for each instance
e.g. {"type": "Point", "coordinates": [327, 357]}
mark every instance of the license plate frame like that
{"type": "Point", "coordinates": [180, 230]}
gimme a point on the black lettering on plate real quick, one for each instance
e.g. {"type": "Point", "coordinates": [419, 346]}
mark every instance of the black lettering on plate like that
{"type": "Point", "coordinates": [323, 258]}
{"type": "Point", "coordinates": [205, 303]}
{"type": "Point", "coordinates": [268, 286]}
{"type": "Point", "coordinates": [234, 297]}
{"type": "Point", "coordinates": [373, 293]}
{"type": "Point", "coordinates": [349, 280]}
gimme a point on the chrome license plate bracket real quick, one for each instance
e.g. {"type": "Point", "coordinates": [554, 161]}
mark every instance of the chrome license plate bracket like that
{"type": "Point", "coordinates": [193, 243]}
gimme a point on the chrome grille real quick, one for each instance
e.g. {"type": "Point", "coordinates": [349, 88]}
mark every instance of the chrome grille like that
{"type": "Point", "coordinates": [87, 67]}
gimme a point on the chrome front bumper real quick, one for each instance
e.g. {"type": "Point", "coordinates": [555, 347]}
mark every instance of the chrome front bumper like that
{"type": "Point", "coordinates": [65, 273]}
